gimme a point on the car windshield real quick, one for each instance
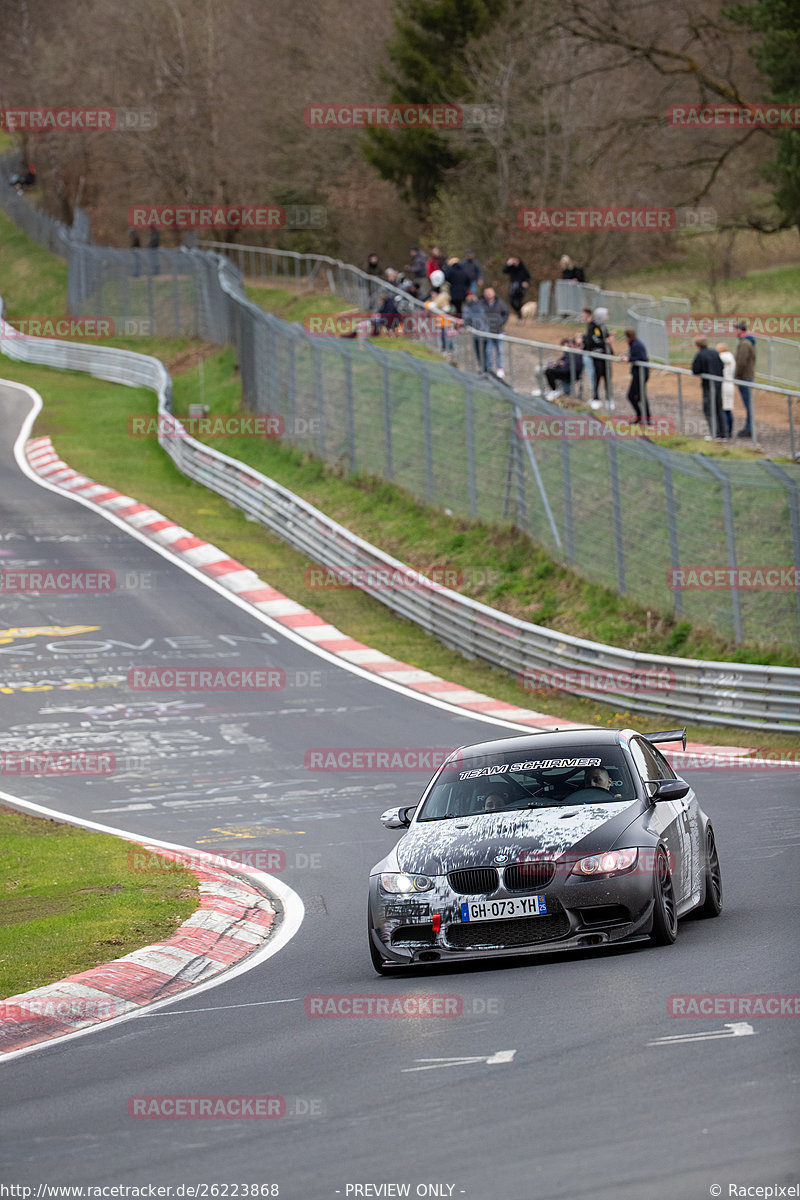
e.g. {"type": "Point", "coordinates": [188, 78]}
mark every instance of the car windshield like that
{"type": "Point", "coordinates": [528, 780]}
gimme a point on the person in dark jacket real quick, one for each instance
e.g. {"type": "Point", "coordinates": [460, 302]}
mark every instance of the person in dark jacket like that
{"type": "Point", "coordinates": [597, 338]}
{"type": "Point", "coordinates": [566, 371]}
{"type": "Point", "coordinates": [519, 280]}
{"type": "Point", "coordinates": [708, 362]}
{"type": "Point", "coordinates": [458, 281]}
{"type": "Point", "coordinates": [570, 271]}
{"type": "Point", "coordinates": [745, 370]}
{"type": "Point", "coordinates": [476, 318]}
{"type": "Point", "coordinates": [474, 271]}
{"type": "Point", "coordinates": [387, 316]}
{"type": "Point", "coordinates": [637, 392]}
{"type": "Point", "coordinates": [496, 317]}
{"type": "Point", "coordinates": [153, 242]}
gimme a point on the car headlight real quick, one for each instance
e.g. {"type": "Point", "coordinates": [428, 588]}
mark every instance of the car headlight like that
{"type": "Point", "coordinates": [403, 885]}
{"type": "Point", "coordinates": [612, 862]}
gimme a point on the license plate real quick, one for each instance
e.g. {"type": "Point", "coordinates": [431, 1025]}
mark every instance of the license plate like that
{"type": "Point", "coordinates": [498, 910]}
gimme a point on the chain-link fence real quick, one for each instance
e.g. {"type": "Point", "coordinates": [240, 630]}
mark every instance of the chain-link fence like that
{"type": "Point", "coordinates": [625, 512]}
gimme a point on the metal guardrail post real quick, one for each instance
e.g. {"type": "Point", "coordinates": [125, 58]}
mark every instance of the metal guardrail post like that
{"type": "Point", "coordinates": [794, 517]}
{"type": "Point", "coordinates": [616, 508]}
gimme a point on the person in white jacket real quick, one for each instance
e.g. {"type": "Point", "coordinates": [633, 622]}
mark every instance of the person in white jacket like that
{"type": "Point", "coordinates": [728, 376]}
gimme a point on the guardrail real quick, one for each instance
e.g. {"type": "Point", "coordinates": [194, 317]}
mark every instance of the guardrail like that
{"type": "Point", "coordinates": [743, 695]}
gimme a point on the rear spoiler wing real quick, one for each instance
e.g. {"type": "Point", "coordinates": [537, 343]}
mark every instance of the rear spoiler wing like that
{"type": "Point", "coordinates": [671, 735]}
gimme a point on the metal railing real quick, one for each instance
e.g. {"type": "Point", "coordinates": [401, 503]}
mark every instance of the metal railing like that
{"type": "Point", "coordinates": [737, 694]}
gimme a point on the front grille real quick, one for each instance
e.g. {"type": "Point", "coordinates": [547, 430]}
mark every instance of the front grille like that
{"type": "Point", "coordinates": [500, 935]}
{"type": "Point", "coordinates": [413, 935]}
{"type": "Point", "coordinates": [527, 877]}
{"type": "Point", "coordinates": [476, 881]}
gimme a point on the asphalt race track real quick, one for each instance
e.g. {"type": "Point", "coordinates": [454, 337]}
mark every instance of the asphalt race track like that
{"type": "Point", "coordinates": [586, 1105]}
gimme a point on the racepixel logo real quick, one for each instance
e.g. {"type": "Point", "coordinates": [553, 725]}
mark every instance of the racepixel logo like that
{"type": "Point", "coordinates": [734, 116]}
{"type": "Point", "coordinates": [629, 220]}
{"type": "Point", "coordinates": [722, 324]}
{"type": "Point", "coordinates": [760, 1004]}
{"type": "Point", "coordinates": [227, 216]}
{"type": "Point", "coordinates": [595, 679]}
{"type": "Point", "coordinates": [236, 1108]}
{"type": "Point", "coordinates": [577, 429]}
{"type": "Point", "coordinates": [77, 120]}
{"type": "Point", "coordinates": [56, 762]}
{"type": "Point", "coordinates": [164, 425]}
{"type": "Point", "coordinates": [402, 116]}
{"type": "Point", "coordinates": [373, 759]}
{"type": "Point", "coordinates": [748, 579]}
{"type": "Point", "coordinates": [206, 679]}
{"type": "Point", "coordinates": [69, 1010]}
{"type": "Point", "coordinates": [24, 582]}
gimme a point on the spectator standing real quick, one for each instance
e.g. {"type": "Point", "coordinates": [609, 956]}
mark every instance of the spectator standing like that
{"type": "Point", "coordinates": [637, 392]}
{"type": "Point", "coordinates": [745, 370]}
{"type": "Point", "coordinates": [440, 299]}
{"type": "Point", "coordinates": [496, 317]}
{"type": "Point", "coordinates": [458, 282]}
{"type": "Point", "coordinates": [418, 264]}
{"type": "Point", "coordinates": [728, 376]}
{"type": "Point", "coordinates": [373, 266]}
{"type": "Point", "coordinates": [707, 362]}
{"type": "Point", "coordinates": [135, 245]}
{"type": "Point", "coordinates": [570, 271]}
{"type": "Point", "coordinates": [153, 242]}
{"type": "Point", "coordinates": [598, 340]}
{"type": "Point", "coordinates": [476, 319]}
{"type": "Point", "coordinates": [473, 269]}
{"type": "Point", "coordinates": [519, 280]}
{"type": "Point", "coordinates": [588, 361]}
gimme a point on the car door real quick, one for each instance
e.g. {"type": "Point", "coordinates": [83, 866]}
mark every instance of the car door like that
{"type": "Point", "coordinates": [669, 819]}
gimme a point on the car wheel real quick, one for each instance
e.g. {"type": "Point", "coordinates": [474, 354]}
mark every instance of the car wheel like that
{"type": "Point", "coordinates": [712, 904]}
{"type": "Point", "coordinates": [665, 919]}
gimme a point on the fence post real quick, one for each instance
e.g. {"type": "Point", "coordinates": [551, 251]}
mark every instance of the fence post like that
{"type": "Point", "coordinates": [387, 416]}
{"type": "Point", "coordinates": [469, 432]}
{"type": "Point", "coordinates": [316, 350]}
{"type": "Point", "coordinates": [794, 516]}
{"type": "Point", "coordinates": [291, 399]}
{"type": "Point", "coordinates": [351, 416]}
{"type": "Point", "coordinates": [672, 530]}
{"type": "Point", "coordinates": [789, 400]}
{"type": "Point", "coordinates": [426, 423]}
{"type": "Point", "coordinates": [616, 508]}
{"type": "Point", "coordinates": [730, 539]}
{"type": "Point", "coordinates": [566, 478]}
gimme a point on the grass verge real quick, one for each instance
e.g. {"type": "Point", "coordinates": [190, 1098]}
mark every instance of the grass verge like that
{"type": "Point", "coordinates": [71, 901]}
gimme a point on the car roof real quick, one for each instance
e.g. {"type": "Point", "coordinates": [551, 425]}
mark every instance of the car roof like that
{"type": "Point", "coordinates": [550, 739]}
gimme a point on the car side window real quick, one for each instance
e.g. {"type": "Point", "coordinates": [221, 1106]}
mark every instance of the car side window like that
{"type": "Point", "coordinates": [648, 765]}
{"type": "Point", "coordinates": [666, 770]}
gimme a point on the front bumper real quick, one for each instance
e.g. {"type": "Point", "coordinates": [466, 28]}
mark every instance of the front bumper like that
{"type": "Point", "coordinates": [582, 914]}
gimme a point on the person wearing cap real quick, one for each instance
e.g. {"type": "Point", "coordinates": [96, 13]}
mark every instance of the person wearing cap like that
{"type": "Point", "coordinates": [745, 370]}
{"type": "Point", "coordinates": [473, 269]}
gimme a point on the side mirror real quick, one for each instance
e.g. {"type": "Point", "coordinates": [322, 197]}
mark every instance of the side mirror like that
{"type": "Point", "coordinates": [398, 818]}
{"type": "Point", "coordinates": [670, 789]}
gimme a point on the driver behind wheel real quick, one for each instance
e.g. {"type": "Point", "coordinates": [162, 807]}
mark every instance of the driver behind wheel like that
{"type": "Point", "coordinates": [493, 802]}
{"type": "Point", "coordinates": [597, 777]}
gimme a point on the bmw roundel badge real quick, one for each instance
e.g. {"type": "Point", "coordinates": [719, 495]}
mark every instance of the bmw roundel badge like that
{"type": "Point", "coordinates": [501, 858]}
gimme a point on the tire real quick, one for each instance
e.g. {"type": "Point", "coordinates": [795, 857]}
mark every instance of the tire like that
{"type": "Point", "coordinates": [712, 904]}
{"type": "Point", "coordinates": [665, 919]}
